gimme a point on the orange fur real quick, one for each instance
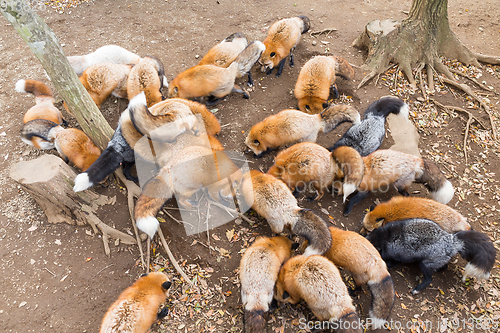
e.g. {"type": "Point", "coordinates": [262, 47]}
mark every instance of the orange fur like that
{"type": "Point", "coordinates": [402, 208]}
{"type": "Point", "coordinates": [317, 281]}
{"type": "Point", "coordinates": [224, 53]}
{"type": "Point", "coordinates": [104, 79]}
{"type": "Point", "coordinates": [306, 164]}
{"type": "Point", "coordinates": [144, 77]}
{"type": "Point", "coordinates": [44, 99]}
{"type": "Point", "coordinates": [315, 80]}
{"type": "Point", "coordinates": [259, 268]}
{"type": "Point", "coordinates": [136, 308]}
{"type": "Point", "coordinates": [73, 144]}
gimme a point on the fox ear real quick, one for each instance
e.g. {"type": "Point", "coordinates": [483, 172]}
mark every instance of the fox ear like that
{"type": "Point", "coordinates": [380, 219]}
{"type": "Point", "coordinates": [308, 107]}
{"type": "Point", "coordinates": [372, 207]}
{"type": "Point", "coordinates": [285, 295]}
{"type": "Point", "coordinates": [295, 246]}
{"type": "Point", "coordinates": [145, 274]}
{"type": "Point", "coordinates": [325, 105]}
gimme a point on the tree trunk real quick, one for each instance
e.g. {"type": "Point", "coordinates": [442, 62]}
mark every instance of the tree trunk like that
{"type": "Point", "coordinates": [44, 44]}
{"type": "Point", "coordinates": [418, 40]}
{"type": "Point", "coordinates": [50, 182]}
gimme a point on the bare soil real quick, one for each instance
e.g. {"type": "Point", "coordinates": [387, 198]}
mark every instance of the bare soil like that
{"type": "Point", "coordinates": [56, 278]}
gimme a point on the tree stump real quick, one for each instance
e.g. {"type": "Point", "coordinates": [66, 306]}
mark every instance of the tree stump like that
{"type": "Point", "coordinates": [49, 180]}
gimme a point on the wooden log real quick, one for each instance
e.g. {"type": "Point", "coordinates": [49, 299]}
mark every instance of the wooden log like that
{"type": "Point", "coordinates": [49, 180]}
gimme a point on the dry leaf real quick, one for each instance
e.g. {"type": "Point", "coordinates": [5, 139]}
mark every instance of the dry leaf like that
{"type": "Point", "coordinates": [230, 234]}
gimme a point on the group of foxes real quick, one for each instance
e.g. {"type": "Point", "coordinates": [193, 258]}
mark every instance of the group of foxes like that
{"type": "Point", "coordinates": [189, 157]}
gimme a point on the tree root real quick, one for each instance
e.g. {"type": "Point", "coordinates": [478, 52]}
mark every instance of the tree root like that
{"type": "Point", "coordinates": [482, 86]}
{"type": "Point", "coordinates": [172, 258]}
{"type": "Point", "coordinates": [469, 92]}
{"type": "Point", "coordinates": [467, 126]}
{"type": "Point", "coordinates": [324, 31]}
{"type": "Point", "coordinates": [108, 231]}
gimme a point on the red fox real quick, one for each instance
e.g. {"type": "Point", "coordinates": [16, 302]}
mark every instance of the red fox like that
{"type": "Point", "coordinates": [136, 308]}
{"type": "Point", "coordinates": [144, 77]}
{"type": "Point", "coordinates": [307, 165]}
{"type": "Point", "coordinates": [166, 127]}
{"type": "Point", "coordinates": [71, 143]}
{"type": "Point", "coordinates": [290, 126]}
{"type": "Point", "coordinates": [224, 53]}
{"type": "Point", "coordinates": [356, 254]}
{"type": "Point", "coordinates": [113, 54]}
{"type": "Point", "coordinates": [352, 166]}
{"type": "Point", "coordinates": [44, 108]}
{"type": "Point", "coordinates": [316, 79]}
{"type": "Point", "coordinates": [259, 268]}
{"type": "Point", "coordinates": [274, 201]}
{"type": "Point", "coordinates": [402, 208]}
{"type": "Point", "coordinates": [191, 168]}
{"type": "Point", "coordinates": [213, 81]}
{"type": "Point", "coordinates": [389, 167]}
{"type": "Point", "coordinates": [212, 125]}
{"type": "Point", "coordinates": [281, 40]}
{"type": "Point", "coordinates": [317, 281]}
{"type": "Point", "coordinates": [104, 79]}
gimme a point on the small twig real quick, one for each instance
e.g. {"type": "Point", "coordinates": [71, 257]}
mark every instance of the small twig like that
{"type": "Point", "coordinates": [148, 253]}
{"type": "Point", "coordinates": [396, 74]}
{"type": "Point", "coordinates": [172, 258]}
{"type": "Point", "coordinates": [421, 79]}
{"type": "Point", "coordinates": [469, 91]}
{"type": "Point", "coordinates": [327, 31]}
{"type": "Point", "coordinates": [103, 269]}
{"type": "Point", "coordinates": [233, 211]}
{"type": "Point", "coordinates": [482, 86]}
{"type": "Point", "coordinates": [49, 271]}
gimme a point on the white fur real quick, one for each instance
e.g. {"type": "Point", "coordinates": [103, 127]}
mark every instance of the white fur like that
{"type": "Point", "coordinates": [311, 251]}
{"type": "Point", "coordinates": [82, 182]}
{"type": "Point", "coordinates": [357, 121]}
{"type": "Point", "coordinates": [27, 141]}
{"type": "Point", "coordinates": [20, 86]}
{"type": "Point", "coordinates": [348, 188]}
{"type": "Point", "coordinates": [474, 271]}
{"type": "Point", "coordinates": [404, 111]}
{"type": "Point", "coordinates": [148, 225]}
{"type": "Point", "coordinates": [138, 100]}
{"type": "Point", "coordinates": [261, 46]}
{"type": "Point", "coordinates": [165, 81]}
{"type": "Point", "coordinates": [374, 322]}
{"type": "Point", "coordinates": [444, 194]}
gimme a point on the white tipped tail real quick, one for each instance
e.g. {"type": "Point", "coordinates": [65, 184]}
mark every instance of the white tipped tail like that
{"type": "Point", "coordinates": [138, 100]}
{"type": "Point", "coordinates": [348, 189]}
{"type": "Point", "coordinates": [311, 251]}
{"type": "Point", "coordinates": [165, 81]}
{"type": "Point", "coordinates": [82, 182]}
{"type": "Point", "coordinates": [444, 194]}
{"type": "Point", "coordinates": [148, 225]}
{"type": "Point", "coordinates": [357, 121]}
{"type": "Point", "coordinates": [476, 272]}
{"type": "Point", "coordinates": [20, 86]}
{"type": "Point", "coordinates": [404, 111]}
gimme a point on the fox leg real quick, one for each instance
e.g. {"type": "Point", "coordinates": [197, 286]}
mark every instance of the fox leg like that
{"type": "Point", "coordinates": [281, 65]}
{"type": "Point", "coordinates": [428, 270]}
{"type": "Point", "coordinates": [335, 91]}
{"type": "Point", "coordinates": [250, 80]}
{"type": "Point", "coordinates": [238, 89]}
{"type": "Point", "coordinates": [163, 313]}
{"type": "Point", "coordinates": [358, 197]}
{"type": "Point", "coordinates": [126, 171]}
{"type": "Point", "coordinates": [212, 100]}
{"type": "Point", "coordinates": [291, 56]}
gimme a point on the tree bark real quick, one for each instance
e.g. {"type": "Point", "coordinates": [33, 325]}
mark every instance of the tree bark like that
{"type": "Point", "coordinates": [50, 182]}
{"type": "Point", "coordinates": [44, 44]}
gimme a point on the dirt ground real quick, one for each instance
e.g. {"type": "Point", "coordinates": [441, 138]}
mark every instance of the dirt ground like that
{"type": "Point", "coordinates": [56, 278]}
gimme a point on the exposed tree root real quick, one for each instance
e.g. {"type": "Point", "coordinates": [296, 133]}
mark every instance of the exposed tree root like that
{"type": "Point", "coordinates": [172, 258]}
{"type": "Point", "coordinates": [419, 41]}
{"type": "Point", "coordinates": [480, 85]}
{"type": "Point", "coordinates": [467, 126]}
{"type": "Point", "coordinates": [324, 31]}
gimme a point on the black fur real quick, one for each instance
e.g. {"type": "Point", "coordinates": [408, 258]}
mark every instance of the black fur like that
{"type": "Point", "coordinates": [307, 23]}
{"type": "Point", "coordinates": [163, 313]}
{"type": "Point", "coordinates": [117, 152]}
{"type": "Point", "coordinates": [313, 228]}
{"type": "Point", "coordinates": [424, 242]}
{"type": "Point", "coordinates": [232, 37]}
{"type": "Point", "coordinates": [367, 136]}
{"type": "Point", "coordinates": [37, 128]}
{"type": "Point", "coordinates": [382, 298]}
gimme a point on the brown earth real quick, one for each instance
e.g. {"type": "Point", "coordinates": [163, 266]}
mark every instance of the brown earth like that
{"type": "Point", "coordinates": [56, 278]}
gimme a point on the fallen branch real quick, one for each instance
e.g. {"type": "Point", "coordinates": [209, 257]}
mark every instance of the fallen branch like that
{"type": "Point", "coordinates": [469, 92]}
{"type": "Point", "coordinates": [172, 258]}
{"type": "Point", "coordinates": [327, 31]}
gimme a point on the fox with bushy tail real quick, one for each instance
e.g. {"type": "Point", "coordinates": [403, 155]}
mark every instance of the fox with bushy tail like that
{"type": "Point", "coordinates": [259, 268]}
{"type": "Point", "coordinates": [290, 126]}
{"type": "Point", "coordinates": [282, 38]}
{"type": "Point", "coordinates": [213, 81]}
{"type": "Point", "coordinates": [426, 243]}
